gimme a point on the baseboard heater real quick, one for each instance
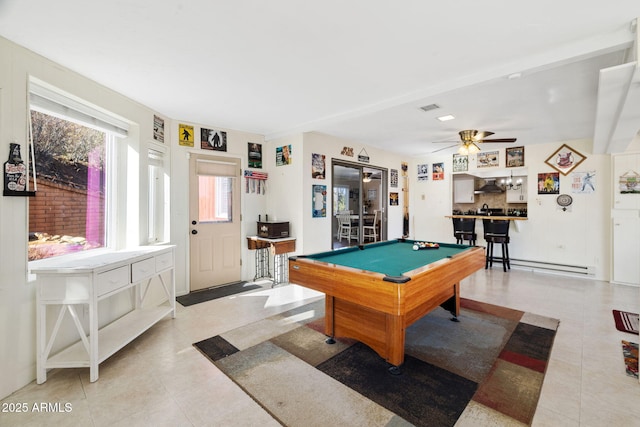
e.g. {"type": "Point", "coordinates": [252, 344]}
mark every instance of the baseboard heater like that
{"type": "Point", "coordinates": [564, 268]}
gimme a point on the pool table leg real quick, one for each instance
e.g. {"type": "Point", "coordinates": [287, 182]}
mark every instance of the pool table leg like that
{"type": "Point", "coordinates": [329, 329]}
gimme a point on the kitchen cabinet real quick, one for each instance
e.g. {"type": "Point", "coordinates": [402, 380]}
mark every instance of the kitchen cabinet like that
{"type": "Point", "coordinates": [626, 247]}
{"type": "Point", "coordinates": [80, 283]}
{"type": "Point", "coordinates": [463, 191]}
{"type": "Point", "coordinates": [519, 195]}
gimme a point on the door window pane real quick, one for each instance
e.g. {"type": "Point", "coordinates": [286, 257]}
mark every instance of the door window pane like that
{"type": "Point", "coordinates": [215, 194]}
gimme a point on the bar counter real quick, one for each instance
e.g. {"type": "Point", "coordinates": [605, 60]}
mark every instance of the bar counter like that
{"type": "Point", "coordinates": [499, 217]}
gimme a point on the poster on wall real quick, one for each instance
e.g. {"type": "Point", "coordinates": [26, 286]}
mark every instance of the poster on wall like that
{"type": "Point", "coordinates": [158, 128]}
{"type": "Point", "coordinates": [394, 178]}
{"type": "Point", "coordinates": [255, 155]}
{"type": "Point", "coordinates": [283, 155]}
{"type": "Point", "coordinates": [549, 183]}
{"type": "Point", "coordinates": [583, 182]}
{"type": "Point", "coordinates": [185, 135]}
{"type": "Point", "coordinates": [423, 172]}
{"type": "Point", "coordinates": [317, 166]}
{"type": "Point", "coordinates": [393, 199]}
{"type": "Point", "coordinates": [319, 201]}
{"type": "Point", "coordinates": [488, 159]}
{"type": "Point", "coordinates": [211, 139]}
{"type": "Point", "coordinates": [438, 171]}
{"type": "Point", "coordinates": [460, 162]}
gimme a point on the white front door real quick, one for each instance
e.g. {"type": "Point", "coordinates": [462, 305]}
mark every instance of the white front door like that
{"type": "Point", "coordinates": [214, 211]}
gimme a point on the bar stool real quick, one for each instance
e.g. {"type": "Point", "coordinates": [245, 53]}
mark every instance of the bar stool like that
{"type": "Point", "coordinates": [497, 231]}
{"type": "Point", "coordinates": [465, 229]}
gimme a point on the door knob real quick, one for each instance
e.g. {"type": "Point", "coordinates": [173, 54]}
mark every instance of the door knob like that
{"type": "Point", "coordinates": [194, 231]}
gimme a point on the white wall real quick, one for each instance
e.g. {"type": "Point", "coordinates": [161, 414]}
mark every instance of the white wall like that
{"type": "Point", "coordinates": [251, 203]}
{"type": "Point", "coordinates": [580, 236]}
{"type": "Point", "coordinates": [17, 291]}
{"type": "Point", "coordinates": [291, 190]}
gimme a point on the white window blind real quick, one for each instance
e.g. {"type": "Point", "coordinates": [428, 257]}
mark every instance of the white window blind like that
{"type": "Point", "coordinates": [51, 101]}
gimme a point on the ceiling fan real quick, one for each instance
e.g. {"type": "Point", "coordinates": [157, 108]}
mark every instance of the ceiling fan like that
{"type": "Point", "coordinates": [469, 140]}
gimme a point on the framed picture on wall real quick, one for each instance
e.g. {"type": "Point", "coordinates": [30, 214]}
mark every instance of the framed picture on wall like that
{"type": "Point", "coordinates": [487, 159]}
{"type": "Point", "coordinates": [319, 201]}
{"type": "Point", "coordinates": [211, 139]}
{"type": "Point", "coordinates": [549, 183]}
{"type": "Point", "coordinates": [460, 162]}
{"type": "Point", "coordinates": [565, 159]}
{"type": "Point", "coordinates": [514, 157]}
{"type": "Point", "coordinates": [255, 155]}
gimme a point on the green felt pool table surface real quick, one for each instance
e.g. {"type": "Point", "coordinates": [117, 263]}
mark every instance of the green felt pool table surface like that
{"type": "Point", "coordinates": [393, 257]}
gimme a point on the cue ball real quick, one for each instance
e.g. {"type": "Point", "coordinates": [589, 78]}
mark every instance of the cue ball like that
{"type": "Point", "coordinates": [416, 247]}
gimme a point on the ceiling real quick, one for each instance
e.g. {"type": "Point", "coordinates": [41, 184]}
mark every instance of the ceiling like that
{"type": "Point", "coordinates": [358, 70]}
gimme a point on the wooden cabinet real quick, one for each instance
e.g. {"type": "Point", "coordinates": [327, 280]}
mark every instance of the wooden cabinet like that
{"type": "Point", "coordinates": [82, 282]}
{"type": "Point", "coordinates": [518, 195]}
{"type": "Point", "coordinates": [463, 191]}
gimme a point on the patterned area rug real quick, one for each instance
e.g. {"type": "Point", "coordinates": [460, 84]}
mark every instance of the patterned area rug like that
{"type": "Point", "coordinates": [486, 369]}
{"type": "Point", "coordinates": [630, 353]}
{"type": "Point", "coordinates": [626, 322]}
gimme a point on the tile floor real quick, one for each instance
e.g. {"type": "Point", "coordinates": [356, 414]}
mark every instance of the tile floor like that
{"type": "Point", "coordinates": [161, 380]}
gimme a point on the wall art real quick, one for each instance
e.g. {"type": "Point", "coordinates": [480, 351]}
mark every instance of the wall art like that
{"type": "Point", "coordinates": [549, 183]}
{"type": "Point", "coordinates": [211, 139]}
{"type": "Point", "coordinates": [565, 159]}
{"type": "Point", "coordinates": [514, 157]}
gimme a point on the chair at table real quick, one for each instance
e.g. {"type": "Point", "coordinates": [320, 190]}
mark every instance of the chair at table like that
{"type": "Point", "coordinates": [345, 229]}
{"type": "Point", "coordinates": [369, 228]}
{"type": "Point", "coordinates": [497, 231]}
{"type": "Point", "coordinates": [465, 229]}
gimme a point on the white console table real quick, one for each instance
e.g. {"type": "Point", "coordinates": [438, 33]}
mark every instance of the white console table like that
{"type": "Point", "coordinates": [86, 280]}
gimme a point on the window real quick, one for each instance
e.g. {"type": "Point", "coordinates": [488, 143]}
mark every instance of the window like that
{"type": "Point", "coordinates": [73, 145]}
{"type": "Point", "coordinates": [215, 198]}
{"type": "Point", "coordinates": [158, 197]}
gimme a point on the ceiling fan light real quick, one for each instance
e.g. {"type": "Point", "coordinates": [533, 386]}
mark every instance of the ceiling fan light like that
{"type": "Point", "coordinates": [473, 148]}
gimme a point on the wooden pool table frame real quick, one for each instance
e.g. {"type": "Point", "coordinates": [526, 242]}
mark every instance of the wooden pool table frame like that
{"type": "Point", "coordinates": [363, 305]}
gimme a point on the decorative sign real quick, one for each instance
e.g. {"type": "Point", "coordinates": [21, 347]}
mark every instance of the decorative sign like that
{"type": "Point", "coordinates": [460, 163]}
{"type": "Point", "coordinates": [363, 157]}
{"type": "Point", "coordinates": [255, 155]}
{"type": "Point", "coordinates": [283, 155]}
{"type": "Point", "coordinates": [394, 178]}
{"type": "Point", "coordinates": [347, 151]}
{"type": "Point", "coordinates": [185, 135]}
{"type": "Point", "coordinates": [393, 199]}
{"type": "Point", "coordinates": [211, 139]}
{"type": "Point", "coordinates": [515, 157]}
{"type": "Point", "coordinates": [319, 201]}
{"type": "Point", "coordinates": [630, 183]}
{"type": "Point", "coordinates": [158, 128]}
{"type": "Point", "coordinates": [488, 159]}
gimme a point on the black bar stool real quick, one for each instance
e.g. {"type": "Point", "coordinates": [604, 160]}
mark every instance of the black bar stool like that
{"type": "Point", "coordinates": [497, 231]}
{"type": "Point", "coordinates": [465, 229]}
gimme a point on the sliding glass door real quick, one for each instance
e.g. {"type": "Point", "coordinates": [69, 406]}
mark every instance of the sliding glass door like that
{"type": "Point", "coordinates": [358, 204]}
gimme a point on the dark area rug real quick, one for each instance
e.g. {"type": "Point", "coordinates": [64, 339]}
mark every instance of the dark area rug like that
{"type": "Point", "coordinates": [214, 293]}
{"type": "Point", "coordinates": [490, 363]}
{"type": "Point", "coordinates": [626, 322]}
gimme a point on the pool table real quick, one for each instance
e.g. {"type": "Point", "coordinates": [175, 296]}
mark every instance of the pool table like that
{"type": "Point", "coordinates": [373, 292]}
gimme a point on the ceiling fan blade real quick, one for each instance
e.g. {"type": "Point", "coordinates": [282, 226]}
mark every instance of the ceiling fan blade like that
{"type": "Point", "coordinates": [482, 135]}
{"type": "Point", "coordinates": [445, 148]}
{"type": "Point", "coordinates": [499, 140]}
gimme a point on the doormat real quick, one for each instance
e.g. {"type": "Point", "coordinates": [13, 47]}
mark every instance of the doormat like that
{"type": "Point", "coordinates": [630, 353]}
{"type": "Point", "coordinates": [491, 363]}
{"type": "Point", "coordinates": [215, 293]}
{"type": "Point", "coordinates": [626, 322]}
